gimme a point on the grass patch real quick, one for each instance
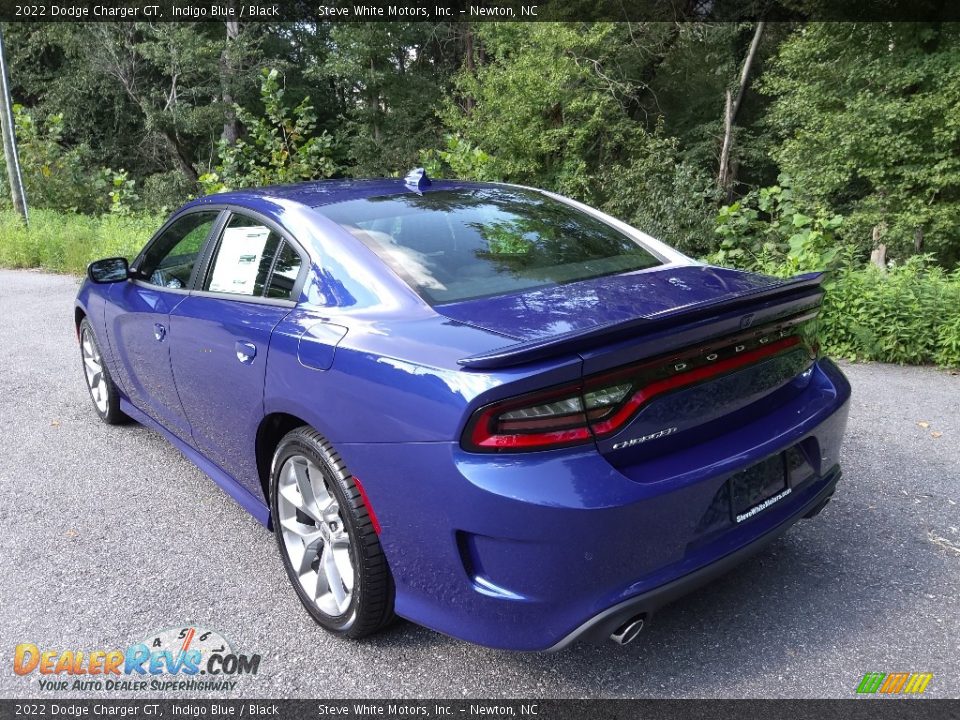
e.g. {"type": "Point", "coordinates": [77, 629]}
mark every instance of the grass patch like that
{"type": "Point", "coordinates": [68, 242]}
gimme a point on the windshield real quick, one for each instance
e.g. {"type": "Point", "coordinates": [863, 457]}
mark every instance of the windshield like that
{"type": "Point", "coordinates": [453, 245]}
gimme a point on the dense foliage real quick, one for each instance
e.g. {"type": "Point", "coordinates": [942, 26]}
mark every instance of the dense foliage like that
{"type": "Point", "coordinates": [847, 138]}
{"type": "Point", "coordinates": [866, 122]}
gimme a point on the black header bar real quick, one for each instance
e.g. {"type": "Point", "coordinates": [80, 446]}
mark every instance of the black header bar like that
{"type": "Point", "coordinates": [477, 10]}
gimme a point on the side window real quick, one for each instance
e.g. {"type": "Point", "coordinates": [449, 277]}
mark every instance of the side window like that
{"type": "Point", "coordinates": [244, 258]}
{"type": "Point", "coordinates": [285, 273]}
{"type": "Point", "coordinates": [169, 260]}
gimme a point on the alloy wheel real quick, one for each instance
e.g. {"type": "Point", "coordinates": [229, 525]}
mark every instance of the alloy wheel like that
{"type": "Point", "coordinates": [315, 536]}
{"type": "Point", "coordinates": [93, 370]}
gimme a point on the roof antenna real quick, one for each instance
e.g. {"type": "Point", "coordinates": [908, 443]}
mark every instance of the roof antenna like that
{"type": "Point", "coordinates": [417, 179]}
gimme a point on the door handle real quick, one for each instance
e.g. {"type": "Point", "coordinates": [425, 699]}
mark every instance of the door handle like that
{"type": "Point", "coordinates": [246, 352]}
{"type": "Point", "coordinates": [159, 332]}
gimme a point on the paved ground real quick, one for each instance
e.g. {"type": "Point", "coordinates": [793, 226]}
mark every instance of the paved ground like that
{"type": "Point", "coordinates": [107, 533]}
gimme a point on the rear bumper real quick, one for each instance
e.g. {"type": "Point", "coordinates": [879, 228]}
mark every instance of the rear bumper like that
{"type": "Point", "coordinates": [529, 552]}
{"type": "Point", "coordinates": [601, 626]}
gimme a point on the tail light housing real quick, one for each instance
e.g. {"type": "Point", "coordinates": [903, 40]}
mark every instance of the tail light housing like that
{"type": "Point", "coordinates": [601, 405]}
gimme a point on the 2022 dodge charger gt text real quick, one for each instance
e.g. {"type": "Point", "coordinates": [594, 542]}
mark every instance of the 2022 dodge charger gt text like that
{"type": "Point", "coordinates": [488, 409]}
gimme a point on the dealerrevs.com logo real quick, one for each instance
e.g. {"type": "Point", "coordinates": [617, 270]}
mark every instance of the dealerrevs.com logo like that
{"type": "Point", "coordinates": [183, 658]}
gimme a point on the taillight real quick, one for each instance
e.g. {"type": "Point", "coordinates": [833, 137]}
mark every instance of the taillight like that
{"type": "Point", "coordinates": [602, 405]}
{"type": "Point", "coordinates": [553, 419]}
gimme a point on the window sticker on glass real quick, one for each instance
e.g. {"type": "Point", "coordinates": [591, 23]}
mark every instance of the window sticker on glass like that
{"type": "Point", "coordinates": [238, 260]}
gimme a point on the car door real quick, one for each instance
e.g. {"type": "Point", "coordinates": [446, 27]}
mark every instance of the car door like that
{"type": "Point", "coordinates": [137, 316]}
{"type": "Point", "coordinates": [221, 335]}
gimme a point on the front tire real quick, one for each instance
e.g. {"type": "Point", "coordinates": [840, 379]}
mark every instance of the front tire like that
{"type": "Point", "coordinates": [103, 391]}
{"type": "Point", "coordinates": [326, 538]}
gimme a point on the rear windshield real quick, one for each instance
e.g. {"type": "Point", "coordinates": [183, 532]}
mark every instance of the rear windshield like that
{"type": "Point", "coordinates": [453, 245]}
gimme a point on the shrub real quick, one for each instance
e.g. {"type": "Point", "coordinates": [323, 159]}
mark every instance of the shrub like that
{"type": "Point", "coordinates": [122, 193]}
{"type": "Point", "coordinates": [767, 232]}
{"type": "Point", "coordinates": [948, 337]}
{"type": "Point", "coordinates": [461, 159]}
{"type": "Point", "coordinates": [166, 191]}
{"type": "Point", "coordinates": [63, 178]}
{"type": "Point", "coordinates": [55, 176]}
{"type": "Point", "coordinates": [661, 194]}
{"type": "Point", "coordinates": [905, 313]}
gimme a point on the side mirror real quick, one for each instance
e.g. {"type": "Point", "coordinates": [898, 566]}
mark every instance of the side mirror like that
{"type": "Point", "coordinates": [109, 270]}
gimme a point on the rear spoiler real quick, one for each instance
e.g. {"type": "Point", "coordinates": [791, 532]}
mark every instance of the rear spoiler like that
{"type": "Point", "coordinates": [798, 293]}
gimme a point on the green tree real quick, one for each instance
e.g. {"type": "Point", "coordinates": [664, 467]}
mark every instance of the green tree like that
{"type": "Point", "coordinates": [687, 90]}
{"type": "Point", "coordinates": [390, 79]}
{"type": "Point", "coordinates": [541, 106]}
{"type": "Point", "coordinates": [865, 122]}
{"type": "Point", "coordinates": [150, 97]}
{"type": "Point", "coordinates": [54, 176]}
{"type": "Point", "coordinates": [559, 106]}
{"type": "Point", "coordinates": [281, 146]}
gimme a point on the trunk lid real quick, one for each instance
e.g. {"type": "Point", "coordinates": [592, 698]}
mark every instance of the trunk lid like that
{"type": "Point", "coordinates": [575, 307]}
{"type": "Point", "coordinates": [669, 358]}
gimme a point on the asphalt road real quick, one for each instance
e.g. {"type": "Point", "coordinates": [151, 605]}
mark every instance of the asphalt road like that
{"type": "Point", "coordinates": [107, 533]}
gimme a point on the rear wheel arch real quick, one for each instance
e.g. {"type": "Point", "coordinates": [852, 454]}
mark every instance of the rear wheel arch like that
{"type": "Point", "coordinates": [270, 432]}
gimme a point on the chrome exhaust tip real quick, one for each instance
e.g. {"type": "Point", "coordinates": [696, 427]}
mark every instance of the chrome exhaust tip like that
{"type": "Point", "coordinates": [628, 632]}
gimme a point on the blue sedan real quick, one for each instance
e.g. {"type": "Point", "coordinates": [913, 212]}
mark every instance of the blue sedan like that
{"type": "Point", "coordinates": [486, 408]}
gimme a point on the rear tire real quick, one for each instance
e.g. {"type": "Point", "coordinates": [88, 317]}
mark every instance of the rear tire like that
{"type": "Point", "coordinates": [103, 391]}
{"type": "Point", "coordinates": [329, 548]}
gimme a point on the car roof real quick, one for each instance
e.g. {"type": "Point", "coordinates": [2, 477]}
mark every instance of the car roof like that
{"type": "Point", "coordinates": [317, 193]}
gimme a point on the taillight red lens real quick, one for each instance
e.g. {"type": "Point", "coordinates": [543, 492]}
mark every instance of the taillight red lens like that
{"type": "Point", "coordinates": [602, 405]}
{"type": "Point", "coordinates": [545, 419]}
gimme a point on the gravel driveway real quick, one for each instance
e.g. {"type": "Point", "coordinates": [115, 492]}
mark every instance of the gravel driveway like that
{"type": "Point", "coordinates": [108, 533]}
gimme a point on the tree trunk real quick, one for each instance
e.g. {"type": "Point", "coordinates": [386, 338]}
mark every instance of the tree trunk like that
{"type": "Point", "coordinates": [878, 256]}
{"type": "Point", "coordinates": [725, 177]}
{"type": "Point", "coordinates": [374, 104]}
{"type": "Point", "coordinates": [231, 126]}
{"type": "Point", "coordinates": [468, 62]}
{"type": "Point", "coordinates": [180, 155]}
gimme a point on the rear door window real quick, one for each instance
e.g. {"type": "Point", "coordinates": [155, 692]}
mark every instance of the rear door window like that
{"type": "Point", "coordinates": [244, 258]}
{"type": "Point", "coordinates": [286, 270]}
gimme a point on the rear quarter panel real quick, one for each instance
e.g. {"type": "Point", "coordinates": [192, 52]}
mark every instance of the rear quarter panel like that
{"type": "Point", "coordinates": [390, 381]}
